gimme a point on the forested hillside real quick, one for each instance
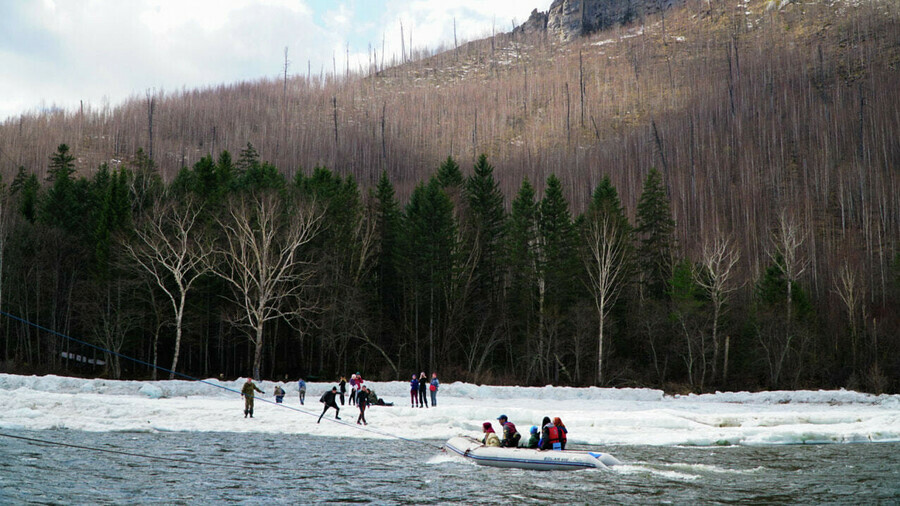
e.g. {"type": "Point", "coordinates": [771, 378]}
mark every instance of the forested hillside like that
{"type": "Point", "coordinates": [703, 199]}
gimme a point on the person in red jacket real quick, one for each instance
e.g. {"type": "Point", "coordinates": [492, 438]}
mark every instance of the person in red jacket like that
{"type": "Point", "coordinates": [563, 432]}
{"type": "Point", "coordinates": [549, 436]}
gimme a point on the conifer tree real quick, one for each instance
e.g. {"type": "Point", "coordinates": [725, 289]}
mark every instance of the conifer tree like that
{"type": "Point", "coordinates": [655, 228]}
{"type": "Point", "coordinates": [522, 262]}
{"type": "Point", "coordinates": [25, 188]}
{"type": "Point", "coordinates": [62, 206]}
{"type": "Point", "coordinates": [247, 160]}
{"type": "Point", "coordinates": [430, 246]}
{"type": "Point", "coordinates": [486, 223]}
{"type": "Point", "coordinates": [387, 261]}
{"type": "Point", "coordinates": [449, 175]}
{"type": "Point", "coordinates": [556, 268]}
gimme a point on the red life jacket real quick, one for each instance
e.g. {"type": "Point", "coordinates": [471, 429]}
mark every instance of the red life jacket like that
{"type": "Point", "coordinates": [553, 434]}
{"type": "Point", "coordinates": [562, 434]}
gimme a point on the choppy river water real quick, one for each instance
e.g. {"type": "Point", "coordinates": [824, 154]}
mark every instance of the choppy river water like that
{"type": "Point", "coordinates": [226, 468]}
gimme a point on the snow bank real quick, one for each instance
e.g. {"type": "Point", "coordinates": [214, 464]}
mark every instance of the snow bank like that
{"type": "Point", "coordinates": [602, 416]}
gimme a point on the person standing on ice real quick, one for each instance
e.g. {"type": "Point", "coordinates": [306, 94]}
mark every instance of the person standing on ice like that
{"type": "Point", "coordinates": [279, 394]}
{"type": "Point", "coordinates": [359, 383]}
{"type": "Point", "coordinates": [301, 386]}
{"type": "Point", "coordinates": [353, 389]}
{"type": "Point", "coordinates": [328, 399]}
{"type": "Point", "coordinates": [343, 385]}
{"type": "Point", "coordinates": [247, 394]}
{"type": "Point", "coordinates": [413, 391]}
{"type": "Point", "coordinates": [362, 400]}
{"type": "Point", "coordinates": [423, 390]}
{"type": "Point", "coordinates": [434, 388]}
{"type": "Point", "coordinates": [490, 437]}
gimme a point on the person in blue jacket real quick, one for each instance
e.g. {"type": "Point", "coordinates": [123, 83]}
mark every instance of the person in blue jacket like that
{"type": "Point", "coordinates": [414, 391]}
{"type": "Point", "coordinates": [435, 384]}
{"type": "Point", "coordinates": [302, 386]}
{"type": "Point", "coordinates": [534, 439]}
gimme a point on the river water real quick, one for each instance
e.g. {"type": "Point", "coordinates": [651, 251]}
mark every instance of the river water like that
{"type": "Point", "coordinates": [251, 468]}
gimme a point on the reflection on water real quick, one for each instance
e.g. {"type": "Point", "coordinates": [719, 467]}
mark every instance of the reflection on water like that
{"type": "Point", "coordinates": [262, 468]}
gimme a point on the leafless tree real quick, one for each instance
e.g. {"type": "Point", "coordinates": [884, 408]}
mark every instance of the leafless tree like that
{"type": "Point", "coordinates": [261, 258]}
{"type": "Point", "coordinates": [605, 265]}
{"type": "Point", "coordinates": [172, 249]}
{"type": "Point", "coordinates": [113, 318]}
{"type": "Point", "coordinates": [785, 253]}
{"type": "Point", "coordinates": [849, 289]}
{"type": "Point", "coordinates": [716, 276]}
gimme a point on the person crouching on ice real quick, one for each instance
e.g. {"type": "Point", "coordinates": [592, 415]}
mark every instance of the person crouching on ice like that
{"type": "Point", "coordinates": [490, 437]}
{"type": "Point", "coordinates": [247, 394]}
{"type": "Point", "coordinates": [328, 399]}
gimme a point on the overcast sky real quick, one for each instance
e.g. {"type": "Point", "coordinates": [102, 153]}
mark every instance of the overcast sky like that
{"type": "Point", "coordinates": [57, 52]}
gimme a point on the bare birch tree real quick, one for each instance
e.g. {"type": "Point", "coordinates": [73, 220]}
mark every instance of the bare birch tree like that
{"type": "Point", "coordinates": [260, 257]}
{"type": "Point", "coordinates": [172, 249]}
{"type": "Point", "coordinates": [605, 265]}
{"type": "Point", "coordinates": [785, 253]}
{"type": "Point", "coordinates": [850, 290]}
{"type": "Point", "coordinates": [715, 276]}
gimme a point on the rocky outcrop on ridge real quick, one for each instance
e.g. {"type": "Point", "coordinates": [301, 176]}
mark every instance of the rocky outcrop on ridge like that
{"type": "Point", "coordinates": [569, 19]}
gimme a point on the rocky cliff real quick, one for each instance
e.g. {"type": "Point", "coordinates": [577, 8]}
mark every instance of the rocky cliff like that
{"type": "Point", "coordinates": [568, 19]}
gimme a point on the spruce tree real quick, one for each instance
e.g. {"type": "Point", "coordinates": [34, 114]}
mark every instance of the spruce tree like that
{"type": "Point", "coordinates": [556, 268]}
{"type": "Point", "coordinates": [521, 261]}
{"type": "Point", "coordinates": [655, 228]}
{"type": "Point", "coordinates": [429, 249]}
{"type": "Point", "coordinates": [247, 160]}
{"type": "Point", "coordinates": [63, 204]}
{"type": "Point", "coordinates": [486, 220]}
{"type": "Point", "coordinates": [25, 188]}
{"type": "Point", "coordinates": [387, 259]}
{"type": "Point", "coordinates": [449, 175]}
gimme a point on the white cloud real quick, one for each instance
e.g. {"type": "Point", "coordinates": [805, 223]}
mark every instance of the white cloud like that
{"type": "Point", "coordinates": [63, 52]}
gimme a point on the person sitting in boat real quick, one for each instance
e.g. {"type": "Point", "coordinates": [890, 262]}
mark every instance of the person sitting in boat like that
{"type": "Point", "coordinates": [511, 436]}
{"type": "Point", "coordinates": [563, 432]}
{"type": "Point", "coordinates": [549, 436]}
{"type": "Point", "coordinates": [490, 437]}
{"type": "Point", "coordinates": [535, 437]}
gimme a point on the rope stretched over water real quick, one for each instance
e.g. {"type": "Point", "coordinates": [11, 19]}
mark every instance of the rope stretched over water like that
{"type": "Point", "coordinates": [185, 376]}
{"type": "Point", "coordinates": [130, 454]}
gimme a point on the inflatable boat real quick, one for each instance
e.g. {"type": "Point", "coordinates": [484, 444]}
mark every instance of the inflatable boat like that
{"type": "Point", "coordinates": [526, 458]}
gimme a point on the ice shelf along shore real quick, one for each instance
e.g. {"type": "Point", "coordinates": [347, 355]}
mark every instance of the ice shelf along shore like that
{"type": "Point", "coordinates": [599, 416]}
